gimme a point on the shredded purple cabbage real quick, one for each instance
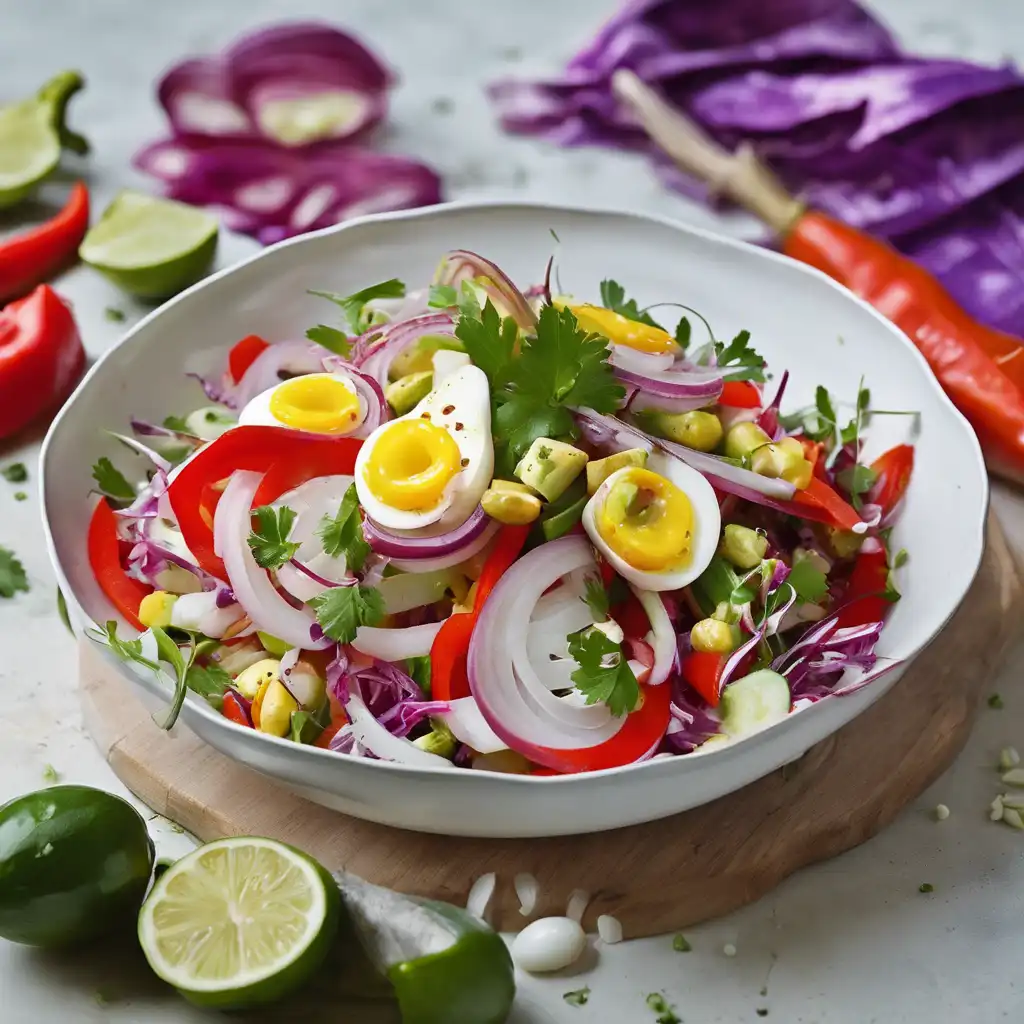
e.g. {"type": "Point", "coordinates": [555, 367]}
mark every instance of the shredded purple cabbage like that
{"type": "Point", "coordinates": [926, 153]}
{"type": "Point", "coordinates": [692, 721]}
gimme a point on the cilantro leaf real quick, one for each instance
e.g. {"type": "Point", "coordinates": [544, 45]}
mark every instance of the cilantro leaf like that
{"type": "Point", "coordinates": [343, 535]}
{"type": "Point", "coordinates": [342, 610]}
{"type": "Point", "coordinates": [210, 681]}
{"type": "Point", "coordinates": [613, 297]}
{"type": "Point", "coordinates": [490, 342]}
{"type": "Point", "coordinates": [177, 424]}
{"type": "Point", "coordinates": [15, 473]}
{"type": "Point", "coordinates": [111, 481]}
{"type": "Point", "coordinates": [521, 419]}
{"type": "Point", "coordinates": [442, 296]}
{"type": "Point", "coordinates": [808, 581]}
{"type": "Point", "coordinates": [739, 353]}
{"type": "Point", "coordinates": [683, 332]}
{"type": "Point", "coordinates": [306, 726]}
{"type": "Point", "coordinates": [469, 301]}
{"type": "Point", "coordinates": [270, 545]}
{"type": "Point", "coordinates": [12, 574]}
{"type": "Point", "coordinates": [596, 598]}
{"type": "Point", "coordinates": [332, 339]}
{"type": "Point", "coordinates": [857, 481]}
{"type": "Point", "coordinates": [352, 305]}
{"type": "Point", "coordinates": [578, 996]}
{"type": "Point", "coordinates": [604, 673]}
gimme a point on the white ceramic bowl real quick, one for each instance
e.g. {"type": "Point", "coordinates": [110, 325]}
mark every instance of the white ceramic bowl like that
{"type": "Point", "coordinates": [799, 319]}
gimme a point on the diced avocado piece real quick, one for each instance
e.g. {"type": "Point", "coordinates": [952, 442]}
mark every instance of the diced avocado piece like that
{"type": "Point", "coordinates": [419, 357]}
{"type": "Point", "coordinates": [405, 392]}
{"type": "Point", "coordinates": [550, 466]}
{"type": "Point", "coordinates": [696, 429]}
{"type": "Point", "coordinates": [783, 459]}
{"type": "Point", "coordinates": [600, 469]}
{"type": "Point", "coordinates": [742, 546]}
{"type": "Point", "coordinates": [156, 608]}
{"type": "Point", "coordinates": [743, 438]}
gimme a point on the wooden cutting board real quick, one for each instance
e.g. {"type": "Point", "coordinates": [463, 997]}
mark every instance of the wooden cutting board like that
{"type": "Point", "coordinates": [654, 878]}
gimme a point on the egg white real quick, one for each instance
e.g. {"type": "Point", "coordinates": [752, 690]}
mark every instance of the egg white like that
{"type": "Point", "coordinates": [462, 406]}
{"type": "Point", "coordinates": [257, 412]}
{"type": "Point", "coordinates": [707, 525]}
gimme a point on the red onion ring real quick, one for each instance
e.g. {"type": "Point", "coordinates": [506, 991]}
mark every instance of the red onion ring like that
{"type": "Point", "coordinates": [377, 351]}
{"type": "Point", "coordinates": [370, 393]}
{"type": "Point", "coordinates": [394, 545]}
{"type": "Point", "coordinates": [462, 265]}
{"type": "Point", "coordinates": [298, 357]}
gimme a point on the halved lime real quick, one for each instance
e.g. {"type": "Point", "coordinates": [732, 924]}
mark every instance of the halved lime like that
{"type": "Point", "coordinates": [239, 922]}
{"type": "Point", "coordinates": [151, 247]}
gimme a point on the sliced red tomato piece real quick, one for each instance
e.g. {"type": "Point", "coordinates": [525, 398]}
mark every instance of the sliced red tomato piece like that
{"type": "Point", "coordinates": [893, 469]}
{"type": "Point", "coordinates": [123, 592]}
{"type": "Point", "coordinates": [287, 457]}
{"type": "Point", "coordinates": [642, 730]}
{"type": "Point", "coordinates": [631, 617]}
{"type": "Point", "coordinates": [449, 678]}
{"type": "Point", "coordinates": [868, 581]}
{"type": "Point", "coordinates": [234, 711]}
{"type": "Point", "coordinates": [821, 503]}
{"type": "Point", "coordinates": [703, 671]}
{"type": "Point", "coordinates": [740, 394]}
{"type": "Point", "coordinates": [244, 354]}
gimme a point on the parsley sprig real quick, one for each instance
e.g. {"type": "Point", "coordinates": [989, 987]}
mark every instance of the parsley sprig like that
{"type": "Point", "coordinates": [739, 353]}
{"type": "Point", "coordinates": [342, 610]}
{"type": "Point", "coordinates": [111, 482]}
{"type": "Point", "coordinates": [352, 306]}
{"type": "Point", "coordinates": [604, 674]}
{"type": "Point", "coordinates": [12, 574]}
{"type": "Point", "coordinates": [343, 534]}
{"type": "Point", "coordinates": [270, 544]}
{"type": "Point", "coordinates": [613, 297]}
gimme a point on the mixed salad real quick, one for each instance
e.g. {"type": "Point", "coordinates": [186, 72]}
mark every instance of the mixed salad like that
{"type": "Point", "coordinates": [489, 528]}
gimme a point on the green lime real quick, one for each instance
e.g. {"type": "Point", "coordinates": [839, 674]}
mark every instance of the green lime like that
{"type": "Point", "coordinates": [74, 864]}
{"type": "Point", "coordinates": [239, 922]}
{"type": "Point", "coordinates": [32, 134]}
{"type": "Point", "coordinates": [151, 247]}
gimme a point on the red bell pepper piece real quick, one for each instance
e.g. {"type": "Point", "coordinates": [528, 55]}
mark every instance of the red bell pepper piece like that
{"type": "Point", "coordinates": [703, 671]}
{"type": "Point", "coordinates": [893, 469]}
{"type": "Point", "coordinates": [41, 357]}
{"type": "Point", "coordinates": [286, 457]}
{"type": "Point", "coordinates": [123, 592]}
{"type": "Point", "coordinates": [244, 354]}
{"type": "Point", "coordinates": [818, 501]}
{"type": "Point", "coordinates": [740, 394]}
{"type": "Point", "coordinates": [864, 597]}
{"type": "Point", "coordinates": [449, 678]}
{"type": "Point", "coordinates": [36, 255]}
{"type": "Point", "coordinates": [234, 711]}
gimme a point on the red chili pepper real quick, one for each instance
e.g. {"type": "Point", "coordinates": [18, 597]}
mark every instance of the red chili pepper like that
{"type": "Point", "coordinates": [123, 592]}
{"type": "Point", "coordinates": [449, 678]}
{"type": "Point", "coordinates": [703, 671]}
{"type": "Point", "coordinates": [819, 502]}
{"type": "Point", "coordinates": [893, 469]}
{"type": "Point", "coordinates": [286, 457]}
{"type": "Point", "coordinates": [864, 602]}
{"type": "Point", "coordinates": [244, 354]}
{"type": "Point", "coordinates": [981, 370]}
{"type": "Point", "coordinates": [740, 394]}
{"type": "Point", "coordinates": [41, 357]}
{"type": "Point", "coordinates": [234, 711]}
{"type": "Point", "coordinates": [36, 255]}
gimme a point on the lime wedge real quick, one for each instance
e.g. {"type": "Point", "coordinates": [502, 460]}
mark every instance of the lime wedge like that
{"type": "Point", "coordinates": [32, 134]}
{"type": "Point", "coordinates": [239, 922]}
{"type": "Point", "coordinates": [151, 247]}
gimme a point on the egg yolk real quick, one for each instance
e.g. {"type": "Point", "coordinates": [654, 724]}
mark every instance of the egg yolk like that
{"type": "Point", "coordinates": [411, 464]}
{"type": "Point", "coordinates": [620, 330]}
{"type": "Point", "coordinates": [647, 521]}
{"type": "Point", "coordinates": [318, 403]}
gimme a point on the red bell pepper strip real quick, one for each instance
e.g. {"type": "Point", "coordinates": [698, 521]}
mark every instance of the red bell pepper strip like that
{"type": "Point", "coordinates": [123, 592]}
{"type": "Point", "coordinates": [703, 671]}
{"type": "Point", "coordinates": [818, 501]}
{"type": "Point", "coordinates": [449, 678]}
{"type": "Point", "coordinates": [244, 354]}
{"type": "Point", "coordinates": [740, 394]}
{"type": "Point", "coordinates": [234, 711]}
{"type": "Point", "coordinates": [287, 457]}
{"type": "Point", "coordinates": [864, 600]}
{"type": "Point", "coordinates": [41, 357]}
{"type": "Point", "coordinates": [36, 255]}
{"type": "Point", "coordinates": [893, 469]}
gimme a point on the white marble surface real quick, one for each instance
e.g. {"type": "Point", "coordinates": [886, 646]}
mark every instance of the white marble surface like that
{"type": "Point", "coordinates": [849, 942]}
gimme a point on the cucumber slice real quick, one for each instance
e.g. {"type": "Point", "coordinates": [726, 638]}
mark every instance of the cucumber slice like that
{"type": "Point", "coordinates": [754, 702]}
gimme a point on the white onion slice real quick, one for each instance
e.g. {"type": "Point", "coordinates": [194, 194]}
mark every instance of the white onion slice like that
{"type": "Point", "coordinates": [480, 893]}
{"type": "Point", "coordinates": [662, 636]}
{"type": "Point", "coordinates": [267, 609]}
{"type": "Point", "coordinates": [470, 727]}
{"type": "Point", "coordinates": [374, 737]}
{"type": "Point", "coordinates": [609, 929]}
{"type": "Point", "coordinates": [527, 889]}
{"type": "Point", "coordinates": [395, 644]}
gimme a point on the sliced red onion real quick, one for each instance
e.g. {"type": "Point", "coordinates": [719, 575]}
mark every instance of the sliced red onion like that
{"type": "Point", "coordinates": [217, 391]}
{"type": "Point", "coordinates": [514, 702]}
{"type": "Point", "coordinates": [394, 545]}
{"type": "Point", "coordinates": [856, 677]}
{"type": "Point", "coordinates": [273, 193]}
{"type": "Point", "coordinates": [673, 384]}
{"type": "Point", "coordinates": [267, 609]}
{"type": "Point", "coordinates": [736, 658]}
{"type": "Point", "coordinates": [140, 449]}
{"type": "Point", "coordinates": [371, 395]}
{"type": "Point", "coordinates": [379, 349]}
{"type": "Point", "coordinates": [395, 644]}
{"type": "Point", "coordinates": [768, 421]}
{"type": "Point", "coordinates": [147, 503]}
{"type": "Point", "coordinates": [639, 401]}
{"type": "Point", "coordinates": [273, 82]}
{"type": "Point", "coordinates": [146, 429]}
{"type": "Point", "coordinates": [662, 636]}
{"type": "Point", "coordinates": [462, 265]}
{"type": "Point", "coordinates": [643, 363]}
